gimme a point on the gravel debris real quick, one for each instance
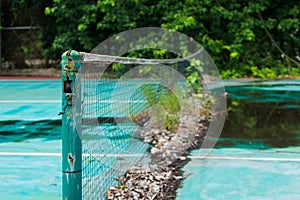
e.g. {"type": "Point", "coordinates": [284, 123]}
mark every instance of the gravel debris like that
{"type": "Point", "coordinates": [161, 178]}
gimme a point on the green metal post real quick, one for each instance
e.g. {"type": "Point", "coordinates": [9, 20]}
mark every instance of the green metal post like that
{"type": "Point", "coordinates": [71, 142]}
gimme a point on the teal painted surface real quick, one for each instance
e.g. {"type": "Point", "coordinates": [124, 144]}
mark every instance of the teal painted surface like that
{"type": "Point", "coordinates": [274, 136]}
{"type": "Point", "coordinates": [30, 100]}
{"type": "Point", "coordinates": [266, 92]}
{"type": "Point", "coordinates": [71, 142]}
{"type": "Point", "coordinates": [28, 177]}
{"type": "Point", "coordinates": [71, 160]}
{"type": "Point", "coordinates": [29, 124]}
{"type": "Point", "coordinates": [30, 90]}
{"type": "Point", "coordinates": [242, 179]}
{"type": "Point", "coordinates": [29, 111]}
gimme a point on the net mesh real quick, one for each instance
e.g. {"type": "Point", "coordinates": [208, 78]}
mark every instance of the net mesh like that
{"type": "Point", "coordinates": [108, 132]}
{"type": "Point", "coordinates": [108, 115]}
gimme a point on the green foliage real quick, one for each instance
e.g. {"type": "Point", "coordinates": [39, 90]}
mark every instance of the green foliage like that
{"type": "Point", "coordinates": [234, 34]}
{"type": "Point", "coordinates": [245, 38]}
{"type": "Point", "coordinates": [167, 103]}
{"type": "Point", "coordinates": [193, 74]}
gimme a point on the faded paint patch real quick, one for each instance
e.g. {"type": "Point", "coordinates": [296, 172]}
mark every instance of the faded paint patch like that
{"type": "Point", "coordinates": [71, 161]}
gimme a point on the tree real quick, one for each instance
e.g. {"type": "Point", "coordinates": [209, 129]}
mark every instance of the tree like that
{"type": "Point", "coordinates": [246, 38]}
{"type": "Point", "coordinates": [18, 45]}
{"type": "Point", "coordinates": [258, 38]}
{"type": "Point", "coordinates": [9, 17]}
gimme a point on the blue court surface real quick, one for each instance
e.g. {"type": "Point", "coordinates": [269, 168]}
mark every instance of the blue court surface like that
{"type": "Point", "coordinates": [30, 153]}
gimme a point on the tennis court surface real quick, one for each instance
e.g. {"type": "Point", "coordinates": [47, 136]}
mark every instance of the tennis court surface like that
{"type": "Point", "coordinates": [30, 153]}
{"type": "Point", "coordinates": [30, 142]}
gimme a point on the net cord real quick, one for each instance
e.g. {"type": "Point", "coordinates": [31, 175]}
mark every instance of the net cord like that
{"type": "Point", "coordinates": [89, 57]}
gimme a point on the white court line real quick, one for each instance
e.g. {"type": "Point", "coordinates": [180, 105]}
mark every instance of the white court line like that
{"type": "Point", "coordinates": [59, 101]}
{"type": "Point", "coordinates": [141, 155]}
{"type": "Point", "coordinates": [29, 154]}
{"type": "Point", "coordinates": [59, 154]}
{"type": "Point", "coordinates": [116, 155]}
{"type": "Point", "coordinates": [30, 101]}
{"type": "Point", "coordinates": [245, 158]}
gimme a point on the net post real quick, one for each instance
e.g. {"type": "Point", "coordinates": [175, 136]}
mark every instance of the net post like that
{"type": "Point", "coordinates": [71, 142]}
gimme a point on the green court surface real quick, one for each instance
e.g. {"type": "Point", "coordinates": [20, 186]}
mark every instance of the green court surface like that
{"type": "Point", "coordinates": [30, 150]}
